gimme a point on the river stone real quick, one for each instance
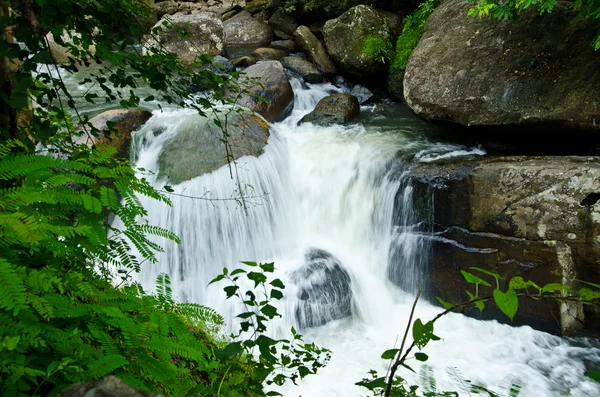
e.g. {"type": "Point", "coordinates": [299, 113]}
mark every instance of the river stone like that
{"type": "Point", "coordinates": [196, 148]}
{"type": "Point", "coordinates": [345, 38]}
{"type": "Point", "coordinates": [541, 200]}
{"type": "Point", "coordinates": [308, 43]}
{"type": "Point", "coordinates": [288, 46]}
{"type": "Point", "coordinates": [124, 123]}
{"type": "Point", "coordinates": [205, 31]}
{"type": "Point", "coordinates": [306, 69]}
{"type": "Point", "coordinates": [111, 386]}
{"type": "Point", "coordinates": [268, 54]}
{"type": "Point", "coordinates": [333, 109]}
{"type": "Point", "coordinates": [324, 289]}
{"type": "Point", "coordinates": [283, 25]}
{"type": "Point", "coordinates": [536, 70]}
{"type": "Point", "coordinates": [244, 29]}
{"type": "Point", "coordinates": [244, 62]}
{"type": "Point", "coordinates": [363, 94]}
{"type": "Point", "coordinates": [267, 79]}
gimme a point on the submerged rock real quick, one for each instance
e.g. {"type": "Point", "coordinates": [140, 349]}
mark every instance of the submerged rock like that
{"type": "Point", "coordinates": [346, 36]}
{"type": "Point", "coordinates": [197, 147]}
{"type": "Point", "coordinates": [267, 80]}
{"type": "Point", "coordinates": [333, 109]}
{"type": "Point", "coordinates": [324, 289]}
{"type": "Point", "coordinates": [536, 70]}
{"type": "Point", "coordinates": [244, 29]}
{"type": "Point", "coordinates": [535, 217]}
{"type": "Point", "coordinates": [306, 69]}
{"type": "Point", "coordinates": [205, 36]}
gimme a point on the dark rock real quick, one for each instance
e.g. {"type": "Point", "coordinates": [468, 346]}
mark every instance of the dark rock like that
{"type": "Point", "coordinates": [333, 109]}
{"type": "Point", "coordinates": [315, 50]}
{"type": "Point", "coordinates": [244, 29]}
{"type": "Point", "coordinates": [537, 70]}
{"type": "Point", "coordinates": [222, 64]}
{"type": "Point", "coordinates": [125, 122]}
{"type": "Point", "coordinates": [111, 386]}
{"type": "Point", "coordinates": [307, 70]}
{"type": "Point", "coordinates": [268, 54]}
{"type": "Point", "coordinates": [288, 46]}
{"type": "Point", "coordinates": [197, 149]}
{"type": "Point", "coordinates": [244, 62]}
{"type": "Point", "coordinates": [395, 84]}
{"type": "Point", "coordinates": [256, 6]}
{"type": "Point", "coordinates": [283, 24]}
{"type": "Point", "coordinates": [205, 31]}
{"type": "Point", "coordinates": [267, 79]}
{"type": "Point", "coordinates": [324, 289]}
{"type": "Point", "coordinates": [345, 39]}
{"type": "Point", "coordinates": [343, 83]}
{"type": "Point", "coordinates": [317, 29]}
{"type": "Point", "coordinates": [363, 94]}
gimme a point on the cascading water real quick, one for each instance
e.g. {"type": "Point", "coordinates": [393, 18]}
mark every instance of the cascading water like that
{"type": "Point", "coordinates": [332, 208]}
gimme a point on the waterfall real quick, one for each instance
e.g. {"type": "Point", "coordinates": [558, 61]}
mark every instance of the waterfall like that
{"type": "Point", "coordinates": [333, 208]}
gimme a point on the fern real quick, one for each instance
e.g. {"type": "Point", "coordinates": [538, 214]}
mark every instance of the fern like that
{"type": "Point", "coordinates": [12, 291]}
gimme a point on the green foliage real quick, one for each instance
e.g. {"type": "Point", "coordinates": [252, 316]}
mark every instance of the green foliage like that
{"type": "Point", "coordinates": [504, 10]}
{"type": "Point", "coordinates": [412, 31]}
{"type": "Point", "coordinates": [379, 49]}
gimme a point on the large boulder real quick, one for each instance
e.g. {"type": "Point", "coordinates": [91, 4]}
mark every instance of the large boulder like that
{"type": "Point", "coordinates": [243, 29]}
{"type": "Point", "coordinates": [347, 35]}
{"type": "Point", "coordinates": [197, 148]}
{"type": "Point", "coordinates": [60, 53]}
{"type": "Point", "coordinates": [545, 208]}
{"type": "Point", "coordinates": [537, 70]}
{"type": "Point", "coordinates": [267, 80]}
{"type": "Point", "coordinates": [284, 25]}
{"type": "Point", "coordinates": [334, 109]}
{"type": "Point", "coordinates": [123, 123]}
{"type": "Point", "coordinates": [205, 35]}
{"type": "Point", "coordinates": [313, 48]}
{"type": "Point", "coordinates": [306, 69]}
{"type": "Point", "coordinates": [111, 386]}
{"type": "Point", "coordinates": [324, 289]}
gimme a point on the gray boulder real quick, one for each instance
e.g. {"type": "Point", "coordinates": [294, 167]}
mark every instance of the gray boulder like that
{"type": "Point", "coordinates": [363, 94]}
{"type": "Point", "coordinates": [345, 38]}
{"type": "Point", "coordinates": [111, 386]}
{"type": "Point", "coordinates": [284, 25]}
{"type": "Point", "coordinates": [196, 148]}
{"type": "Point", "coordinates": [324, 289]}
{"type": "Point", "coordinates": [306, 69]}
{"type": "Point", "coordinates": [205, 35]}
{"type": "Point", "coordinates": [267, 79]}
{"type": "Point", "coordinates": [244, 29]}
{"type": "Point", "coordinates": [268, 54]}
{"type": "Point", "coordinates": [333, 109]}
{"type": "Point", "coordinates": [538, 70]}
{"type": "Point", "coordinates": [313, 48]}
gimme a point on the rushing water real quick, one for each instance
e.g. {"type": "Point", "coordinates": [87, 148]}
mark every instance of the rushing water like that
{"type": "Point", "coordinates": [334, 211]}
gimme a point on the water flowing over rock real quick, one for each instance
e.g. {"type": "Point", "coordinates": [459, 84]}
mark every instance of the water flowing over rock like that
{"type": "Point", "coordinates": [124, 123]}
{"type": "Point", "coordinates": [345, 38]}
{"type": "Point", "coordinates": [205, 35]}
{"type": "Point", "coordinates": [306, 69]}
{"type": "Point", "coordinates": [334, 109]}
{"type": "Point", "coordinates": [313, 48]}
{"type": "Point", "coordinates": [196, 147]}
{"type": "Point", "coordinates": [535, 217]}
{"type": "Point", "coordinates": [243, 29]}
{"type": "Point", "coordinates": [539, 70]}
{"type": "Point", "coordinates": [267, 80]}
{"type": "Point", "coordinates": [324, 289]}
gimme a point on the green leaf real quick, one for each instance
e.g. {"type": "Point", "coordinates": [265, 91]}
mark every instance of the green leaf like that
{"type": "Point", "coordinates": [495, 275]}
{"type": "Point", "coordinates": [269, 311]}
{"type": "Point", "coordinates": [251, 264]}
{"type": "Point", "coordinates": [229, 351]}
{"type": "Point", "coordinates": [378, 383]}
{"type": "Point", "coordinates": [477, 301]}
{"type": "Point", "coordinates": [421, 356]}
{"type": "Point", "coordinates": [473, 279]}
{"type": "Point", "coordinates": [446, 305]}
{"type": "Point", "coordinates": [276, 294]}
{"type": "Point", "coordinates": [268, 267]}
{"type": "Point", "coordinates": [556, 287]}
{"type": "Point", "coordinates": [389, 354]}
{"type": "Point", "coordinates": [277, 283]}
{"type": "Point", "coordinates": [231, 290]}
{"type": "Point", "coordinates": [258, 278]}
{"type": "Point", "coordinates": [507, 301]}
{"type": "Point", "coordinates": [422, 333]}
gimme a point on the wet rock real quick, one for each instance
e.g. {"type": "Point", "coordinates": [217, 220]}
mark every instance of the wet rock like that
{"type": "Point", "coordinates": [244, 29]}
{"type": "Point", "coordinates": [124, 123]}
{"type": "Point", "coordinates": [395, 84]}
{"type": "Point", "coordinates": [288, 46]}
{"type": "Point", "coordinates": [111, 386]}
{"type": "Point", "coordinates": [324, 289]}
{"type": "Point", "coordinates": [363, 94]}
{"type": "Point", "coordinates": [333, 109]}
{"type": "Point", "coordinates": [539, 70]}
{"type": "Point", "coordinates": [314, 50]}
{"type": "Point", "coordinates": [268, 80]}
{"type": "Point", "coordinates": [268, 54]}
{"type": "Point", "coordinates": [205, 36]}
{"type": "Point", "coordinates": [345, 38]}
{"type": "Point", "coordinates": [197, 149]}
{"type": "Point", "coordinates": [306, 69]}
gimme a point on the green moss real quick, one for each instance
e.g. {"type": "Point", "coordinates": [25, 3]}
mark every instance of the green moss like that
{"type": "Point", "coordinates": [411, 34]}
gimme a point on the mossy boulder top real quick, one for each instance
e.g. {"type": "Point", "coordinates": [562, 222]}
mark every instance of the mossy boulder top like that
{"type": "Point", "coordinates": [537, 70]}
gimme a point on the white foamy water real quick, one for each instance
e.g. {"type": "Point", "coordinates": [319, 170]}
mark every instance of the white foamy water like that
{"type": "Point", "coordinates": [338, 223]}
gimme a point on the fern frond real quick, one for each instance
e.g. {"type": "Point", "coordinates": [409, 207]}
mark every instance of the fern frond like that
{"type": "Point", "coordinates": [198, 312]}
{"type": "Point", "coordinates": [105, 366]}
{"type": "Point", "coordinates": [12, 290]}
